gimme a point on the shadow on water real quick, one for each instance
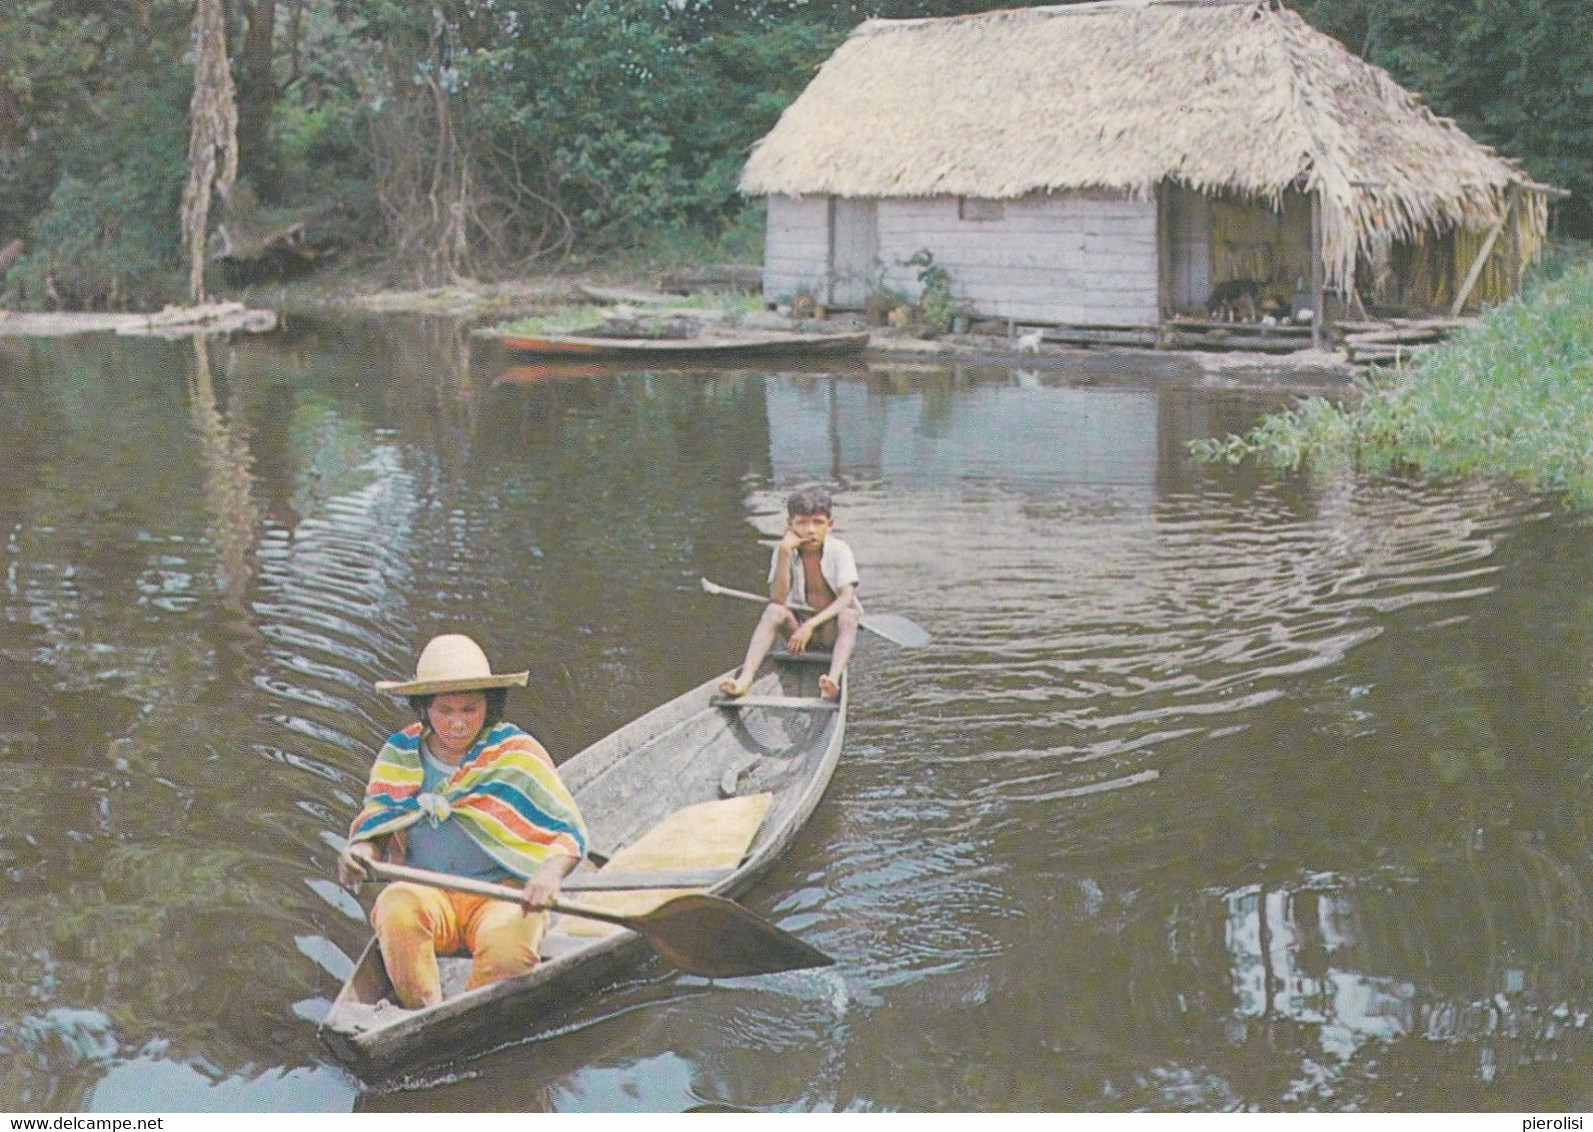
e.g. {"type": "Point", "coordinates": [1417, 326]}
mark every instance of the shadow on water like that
{"type": "Point", "coordinates": [1217, 790]}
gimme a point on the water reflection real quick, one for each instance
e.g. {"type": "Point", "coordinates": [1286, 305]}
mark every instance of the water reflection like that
{"type": "Point", "coordinates": [1320, 958]}
{"type": "Point", "coordinates": [224, 451]}
{"type": "Point", "coordinates": [1282, 947]}
{"type": "Point", "coordinates": [1217, 790]}
{"type": "Point", "coordinates": [1019, 431]}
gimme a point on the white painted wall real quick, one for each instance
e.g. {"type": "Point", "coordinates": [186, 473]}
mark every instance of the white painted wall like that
{"type": "Point", "coordinates": [1083, 258]}
{"type": "Point", "coordinates": [796, 247]}
{"type": "Point", "coordinates": [1067, 258]}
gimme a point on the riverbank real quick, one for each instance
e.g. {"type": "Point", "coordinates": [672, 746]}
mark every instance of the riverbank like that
{"type": "Point", "coordinates": [1510, 397]}
{"type": "Point", "coordinates": [488, 303]}
{"type": "Point", "coordinates": [483, 304]}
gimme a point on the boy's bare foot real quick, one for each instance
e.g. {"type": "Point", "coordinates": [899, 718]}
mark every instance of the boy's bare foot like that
{"type": "Point", "coordinates": [732, 687]}
{"type": "Point", "coordinates": [828, 688]}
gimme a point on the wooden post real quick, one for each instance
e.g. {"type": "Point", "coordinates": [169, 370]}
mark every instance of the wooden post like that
{"type": "Point", "coordinates": [1513, 240]}
{"type": "Point", "coordinates": [1318, 275]}
{"type": "Point", "coordinates": [1482, 258]}
{"type": "Point", "coordinates": [1164, 255]}
{"type": "Point", "coordinates": [829, 253]}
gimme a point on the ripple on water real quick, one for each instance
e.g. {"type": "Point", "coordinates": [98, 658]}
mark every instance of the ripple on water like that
{"type": "Point", "coordinates": [1087, 649]}
{"type": "Point", "coordinates": [1151, 688]}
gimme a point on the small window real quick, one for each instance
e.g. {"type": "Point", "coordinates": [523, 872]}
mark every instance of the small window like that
{"type": "Point", "coordinates": [978, 208]}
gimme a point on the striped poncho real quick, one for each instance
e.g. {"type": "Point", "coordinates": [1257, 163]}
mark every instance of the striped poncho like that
{"type": "Point", "coordinates": [505, 794]}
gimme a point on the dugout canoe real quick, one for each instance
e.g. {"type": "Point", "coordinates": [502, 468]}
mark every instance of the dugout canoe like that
{"type": "Point", "coordinates": [780, 741]}
{"type": "Point", "coordinates": [709, 344]}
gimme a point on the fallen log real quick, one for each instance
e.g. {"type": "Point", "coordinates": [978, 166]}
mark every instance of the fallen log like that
{"type": "Point", "coordinates": [207, 318]}
{"type": "Point", "coordinates": [171, 322]}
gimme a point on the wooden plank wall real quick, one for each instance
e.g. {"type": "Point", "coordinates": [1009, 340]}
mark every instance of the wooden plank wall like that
{"type": "Point", "coordinates": [796, 247]}
{"type": "Point", "coordinates": [1083, 258]}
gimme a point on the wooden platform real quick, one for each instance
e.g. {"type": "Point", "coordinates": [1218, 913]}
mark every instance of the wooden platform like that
{"type": "Point", "coordinates": [1183, 334]}
{"type": "Point", "coordinates": [1396, 340]}
{"type": "Point", "coordinates": [1364, 341]}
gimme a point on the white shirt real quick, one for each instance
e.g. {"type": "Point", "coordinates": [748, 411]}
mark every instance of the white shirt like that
{"type": "Point", "coordinates": [836, 565]}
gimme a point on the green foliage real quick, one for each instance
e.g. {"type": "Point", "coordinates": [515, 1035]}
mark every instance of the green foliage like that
{"type": "Point", "coordinates": [593, 128]}
{"type": "Point", "coordinates": [318, 125]}
{"type": "Point", "coordinates": [560, 319]}
{"type": "Point", "coordinates": [1510, 397]}
{"type": "Point", "coordinates": [725, 307]}
{"type": "Point", "coordinates": [552, 128]}
{"type": "Point", "coordinates": [936, 307]}
{"type": "Point", "coordinates": [107, 233]}
{"type": "Point", "coordinates": [638, 121]}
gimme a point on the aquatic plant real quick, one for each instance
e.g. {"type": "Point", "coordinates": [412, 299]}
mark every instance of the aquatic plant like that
{"type": "Point", "coordinates": [1510, 396]}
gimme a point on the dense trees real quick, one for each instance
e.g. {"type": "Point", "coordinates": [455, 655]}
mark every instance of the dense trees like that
{"type": "Point", "coordinates": [472, 137]}
{"type": "Point", "coordinates": [1517, 75]}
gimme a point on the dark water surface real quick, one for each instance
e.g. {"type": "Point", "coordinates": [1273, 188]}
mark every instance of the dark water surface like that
{"type": "Point", "coordinates": [1217, 789]}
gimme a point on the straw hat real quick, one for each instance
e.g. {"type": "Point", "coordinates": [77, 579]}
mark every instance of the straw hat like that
{"type": "Point", "coordinates": [451, 663]}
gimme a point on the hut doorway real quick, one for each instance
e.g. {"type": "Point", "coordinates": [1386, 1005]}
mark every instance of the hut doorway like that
{"type": "Point", "coordinates": [854, 251]}
{"type": "Point", "coordinates": [1189, 248]}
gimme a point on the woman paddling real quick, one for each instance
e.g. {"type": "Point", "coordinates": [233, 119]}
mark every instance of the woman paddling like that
{"type": "Point", "coordinates": [460, 791]}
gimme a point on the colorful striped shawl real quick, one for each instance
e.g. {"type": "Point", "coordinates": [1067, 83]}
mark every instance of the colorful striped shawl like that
{"type": "Point", "coordinates": [505, 793]}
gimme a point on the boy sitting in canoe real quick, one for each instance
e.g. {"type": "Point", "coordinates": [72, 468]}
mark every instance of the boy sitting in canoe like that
{"type": "Point", "coordinates": [809, 567]}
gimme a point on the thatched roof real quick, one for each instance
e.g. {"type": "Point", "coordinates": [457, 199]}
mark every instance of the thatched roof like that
{"type": "Point", "coordinates": [1222, 95]}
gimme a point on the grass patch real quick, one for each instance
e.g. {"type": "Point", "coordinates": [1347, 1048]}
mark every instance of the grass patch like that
{"type": "Point", "coordinates": [726, 308]}
{"type": "Point", "coordinates": [565, 318]}
{"type": "Point", "coordinates": [1510, 397]}
{"type": "Point", "coordinates": [730, 306]}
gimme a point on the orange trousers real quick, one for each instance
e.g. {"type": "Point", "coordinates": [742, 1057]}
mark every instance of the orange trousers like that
{"type": "Point", "coordinates": [416, 923]}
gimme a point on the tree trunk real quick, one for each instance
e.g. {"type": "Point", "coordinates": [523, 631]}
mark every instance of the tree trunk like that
{"type": "Point", "coordinates": [257, 94]}
{"type": "Point", "coordinates": [212, 137]}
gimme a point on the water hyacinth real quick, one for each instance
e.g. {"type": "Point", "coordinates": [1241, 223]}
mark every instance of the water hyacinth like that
{"type": "Point", "coordinates": [1510, 396]}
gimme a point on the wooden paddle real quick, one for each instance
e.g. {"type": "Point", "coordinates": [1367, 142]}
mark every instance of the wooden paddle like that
{"type": "Point", "coordinates": [701, 934]}
{"type": "Point", "coordinates": [893, 627]}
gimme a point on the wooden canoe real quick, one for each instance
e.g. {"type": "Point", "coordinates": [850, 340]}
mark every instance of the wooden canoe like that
{"type": "Point", "coordinates": [706, 345]}
{"type": "Point", "coordinates": [781, 742]}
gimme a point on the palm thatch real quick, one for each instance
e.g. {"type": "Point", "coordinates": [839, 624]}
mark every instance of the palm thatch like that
{"type": "Point", "coordinates": [1224, 96]}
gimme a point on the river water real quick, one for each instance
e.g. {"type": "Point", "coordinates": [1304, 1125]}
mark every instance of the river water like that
{"type": "Point", "coordinates": [1218, 789]}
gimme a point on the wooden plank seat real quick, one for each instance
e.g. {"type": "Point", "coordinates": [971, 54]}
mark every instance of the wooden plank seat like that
{"type": "Point", "coordinates": [788, 703]}
{"type": "Point", "coordinates": [811, 656]}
